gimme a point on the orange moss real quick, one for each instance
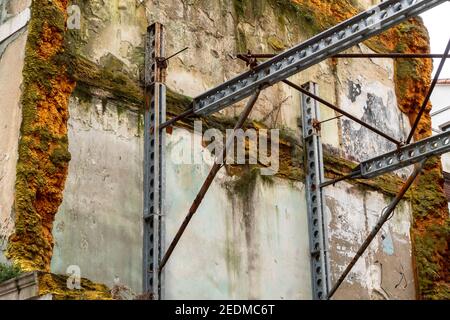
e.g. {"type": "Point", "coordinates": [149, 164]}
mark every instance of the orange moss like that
{"type": "Point", "coordinates": [50, 43]}
{"type": "Point", "coordinates": [43, 147]}
{"type": "Point", "coordinates": [330, 10]}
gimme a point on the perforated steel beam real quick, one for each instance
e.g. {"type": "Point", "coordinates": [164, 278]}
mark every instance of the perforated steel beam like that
{"type": "Point", "coordinates": [311, 52]}
{"type": "Point", "coordinates": [406, 156]}
{"type": "Point", "coordinates": [154, 161]}
{"type": "Point", "coordinates": [314, 196]}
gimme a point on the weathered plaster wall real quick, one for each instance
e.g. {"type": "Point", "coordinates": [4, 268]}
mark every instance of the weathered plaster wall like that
{"type": "Point", "coordinates": [249, 243]}
{"type": "Point", "coordinates": [367, 90]}
{"type": "Point", "coordinates": [11, 64]}
{"type": "Point", "coordinates": [14, 7]}
{"type": "Point", "coordinates": [99, 224]}
{"type": "Point", "coordinates": [256, 245]}
{"type": "Point", "coordinates": [385, 270]}
{"type": "Point", "coordinates": [251, 247]}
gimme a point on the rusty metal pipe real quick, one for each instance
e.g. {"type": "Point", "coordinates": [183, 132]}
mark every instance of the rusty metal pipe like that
{"type": "Point", "coordinates": [353, 175]}
{"type": "Point", "coordinates": [174, 120]}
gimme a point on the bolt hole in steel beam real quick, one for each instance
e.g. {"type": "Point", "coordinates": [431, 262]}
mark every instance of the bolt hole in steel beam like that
{"type": "Point", "coordinates": [248, 56]}
{"type": "Point", "coordinates": [405, 156]}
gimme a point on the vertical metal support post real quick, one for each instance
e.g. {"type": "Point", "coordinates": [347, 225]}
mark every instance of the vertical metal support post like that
{"type": "Point", "coordinates": [314, 197]}
{"type": "Point", "coordinates": [154, 160]}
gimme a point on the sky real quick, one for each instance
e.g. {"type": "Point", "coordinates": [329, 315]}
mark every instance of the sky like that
{"type": "Point", "coordinates": [437, 21]}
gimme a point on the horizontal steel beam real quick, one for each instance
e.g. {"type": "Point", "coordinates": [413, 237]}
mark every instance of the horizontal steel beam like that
{"type": "Point", "coordinates": [405, 156]}
{"type": "Point", "coordinates": [393, 55]}
{"type": "Point", "coordinates": [324, 45]}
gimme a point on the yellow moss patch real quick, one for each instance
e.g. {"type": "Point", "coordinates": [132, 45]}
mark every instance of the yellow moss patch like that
{"type": "Point", "coordinates": [56, 285]}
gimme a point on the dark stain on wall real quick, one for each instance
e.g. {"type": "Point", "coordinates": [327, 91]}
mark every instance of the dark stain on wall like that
{"type": "Point", "coordinates": [354, 91]}
{"type": "Point", "coordinates": [376, 114]}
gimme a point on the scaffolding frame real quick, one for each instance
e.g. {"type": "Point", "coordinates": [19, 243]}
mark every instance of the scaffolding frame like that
{"type": "Point", "coordinates": [327, 44]}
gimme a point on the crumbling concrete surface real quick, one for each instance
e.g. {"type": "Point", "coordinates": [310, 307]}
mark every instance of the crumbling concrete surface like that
{"type": "Point", "coordinates": [11, 64]}
{"type": "Point", "coordinates": [250, 236]}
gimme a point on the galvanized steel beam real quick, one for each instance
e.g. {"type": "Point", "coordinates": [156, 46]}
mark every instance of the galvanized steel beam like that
{"type": "Point", "coordinates": [154, 159]}
{"type": "Point", "coordinates": [314, 169]}
{"type": "Point", "coordinates": [405, 156]}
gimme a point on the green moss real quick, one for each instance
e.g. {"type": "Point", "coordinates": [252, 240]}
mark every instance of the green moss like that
{"type": "Point", "coordinates": [8, 272]}
{"type": "Point", "coordinates": [248, 9]}
{"type": "Point", "coordinates": [43, 76]}
{"type": "Point", "coordinates": [428, 246]}
{"type": "Point", "coordinates": [176, 102]}
{"type": "Point", "coordinates": [428, 191]}
{"type": "Point", "coordinates": [245, 182]}
{"type": "Point", "coordinates": [112, 63]}
{"type": "Point", "coordinates": [242, 186]}
{"type": "Point", "coordinates": [239, 7]}
{"type": "Point", "coordinates": [241, 41]}
{"type": "Point", "coordinates": [431, 240]}
{"type": "Point", "coordinates": [286, 11]}
{"type": "Point", "coordinates": [307, 20]}
{"type": "Point", "coordinates": [60, 156]}
{"type": "Point", "coordinates": [90, 75]}
{"type": "Point", "coordinates": [121, 109]}
{"type": "Point", "coordinates": [406, 69]}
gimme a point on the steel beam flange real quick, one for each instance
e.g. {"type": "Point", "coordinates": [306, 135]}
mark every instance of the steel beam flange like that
{"type": "Point", "coordinates": [406, 156]}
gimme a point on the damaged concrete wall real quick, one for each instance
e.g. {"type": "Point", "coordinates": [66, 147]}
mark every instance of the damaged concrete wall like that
{"type": "Point", "coordinates": [12, 55]}
{"type": "Point", "coordinates": [245, 240]}
{"type": "Point", "coordinates": [250, 237]}
{"type": "Point", "coordinates": [11, 64]}
{"type": "Point", "coordinates": [251, 241]}
{"type": "Point", "coordinates": [385, 271]}
{"type": "Point", "coordinates": [103, 195]}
